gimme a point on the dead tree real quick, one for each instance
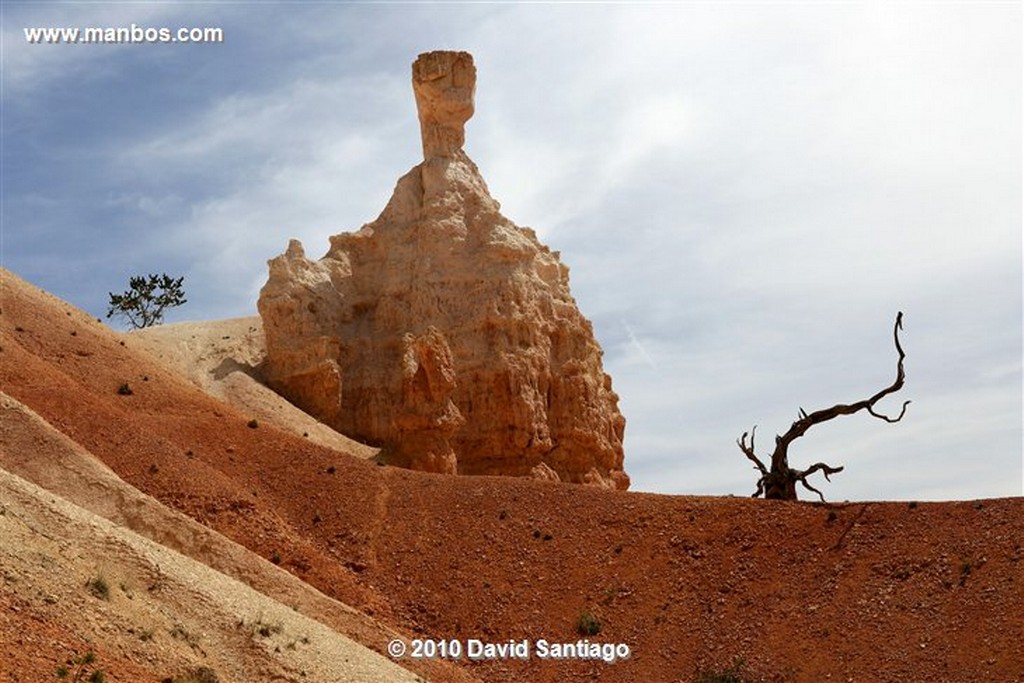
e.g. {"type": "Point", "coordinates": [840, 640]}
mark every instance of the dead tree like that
{"type": "Point", "coordinates": [779, 481]}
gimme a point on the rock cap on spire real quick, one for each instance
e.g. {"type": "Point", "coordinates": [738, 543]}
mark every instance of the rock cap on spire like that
{"type": "Point", "coordinates": [444, 83]}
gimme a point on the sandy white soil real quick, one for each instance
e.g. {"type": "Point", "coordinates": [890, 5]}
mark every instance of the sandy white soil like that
{"type": "Point", "coordinates": [223, 357]}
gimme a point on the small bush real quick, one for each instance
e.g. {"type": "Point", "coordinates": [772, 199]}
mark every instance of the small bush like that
{"type": "Point", "coordinates": [80, 667]}
{"type": "Point", "coordinates": [146, 299]}
{"type": "Point", "coordinates": [267, 630]}
{"type": "Point", "coordinates": [125, 390]}
{"type": "Point", "coordinates": [261, 628]}
{"type": "Point", "coordinates": [202, 674]}
{"type": "Point", "coordinates": [733, 674]}
{"type": "Point", "coordinates": [966, 567]}
{"type": "Point", "coordinates": [253, 423]}
{"type": "Point", "coordinates": [180, 633]}
{"type": "Point", "coordinates": [588, 624]}
{"type": "Point", "coordinates": [99, 587]}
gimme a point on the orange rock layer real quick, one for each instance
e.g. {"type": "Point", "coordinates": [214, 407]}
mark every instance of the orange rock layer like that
{"type": "Point", "coordinates": [442, 331]}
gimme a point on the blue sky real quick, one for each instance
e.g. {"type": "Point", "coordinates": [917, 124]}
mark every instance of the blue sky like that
{"type": "Point", "coordinates": [745, 193]}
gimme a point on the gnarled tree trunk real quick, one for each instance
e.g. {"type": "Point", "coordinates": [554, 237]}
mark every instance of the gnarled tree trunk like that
{"type": "Point", "coordinates": [779, 481]}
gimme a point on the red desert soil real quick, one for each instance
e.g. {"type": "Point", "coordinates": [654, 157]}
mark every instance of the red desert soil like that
{"type": "Point", "coordinates": [798, 591]}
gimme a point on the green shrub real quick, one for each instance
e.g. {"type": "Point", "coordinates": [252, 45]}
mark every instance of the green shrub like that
{"type": "Point", "coordinates": [99, 587]}
{"type": "Point", "coordinates": [80, 666]}
{"type": "Point", "coordinates": [732, 674]}
{"type": "Point", "coordinates": [202, 674]}
{"type": "Point", "coordinates": [587, 624]}
{"type": "Point", "coordinates": [261, 628]}
{"type": "Point", "coordinates": [144, 303]}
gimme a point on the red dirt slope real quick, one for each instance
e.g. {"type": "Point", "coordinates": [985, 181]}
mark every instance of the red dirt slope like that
{"type": "Point", "coordinates": [800, 592]}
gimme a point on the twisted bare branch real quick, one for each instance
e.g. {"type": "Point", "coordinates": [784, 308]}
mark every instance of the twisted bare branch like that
{"type": "Point", "coordinates": [827, 470]}
{"type": "Point", "coordinates": [780, 481]}
{"type": "Point", "coordinates": [749, 452]}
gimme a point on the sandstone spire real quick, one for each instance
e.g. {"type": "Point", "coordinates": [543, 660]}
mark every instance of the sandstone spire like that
{"type": "Point", "coordinates": [442, 331]}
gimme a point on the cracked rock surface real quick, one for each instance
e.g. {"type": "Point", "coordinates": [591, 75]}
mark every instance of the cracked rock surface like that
{"type": "Point", "coordinates": [443, 332]}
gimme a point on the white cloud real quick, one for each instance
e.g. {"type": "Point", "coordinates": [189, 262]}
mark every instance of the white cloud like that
{"type": "Point", "coordinates": [745, 194]}
{"type": "Point", "coordinates": [30, 68]}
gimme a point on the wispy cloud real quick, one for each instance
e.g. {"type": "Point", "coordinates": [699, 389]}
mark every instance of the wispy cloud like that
{"type": "Point", "coordinates": [745, 196]}
{"type": "Point", "coordinates": [637, 347]}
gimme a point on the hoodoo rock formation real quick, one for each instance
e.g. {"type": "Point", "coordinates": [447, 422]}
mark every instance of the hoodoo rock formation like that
{"type": "Point", "coordinates": [442, 331]}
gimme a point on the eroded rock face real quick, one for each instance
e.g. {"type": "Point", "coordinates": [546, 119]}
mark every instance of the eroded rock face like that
{"type": "Point", "coordinates": [442, 331]}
